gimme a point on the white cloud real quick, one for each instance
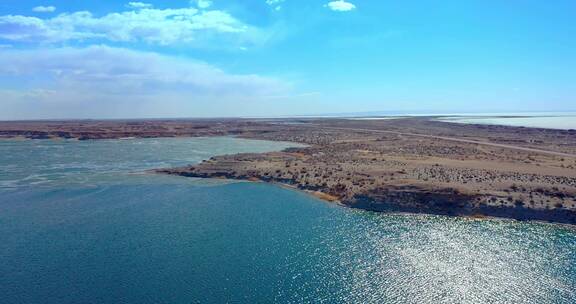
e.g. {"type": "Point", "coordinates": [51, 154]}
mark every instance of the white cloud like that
{"type": "Point", "coordinates": [275, 3]}
{"type": "Point", "coordinates": [189, 26]}
{"type": "Point", "coordinates": [127, 70]}
{"type": "Point", "coordinates": [139, 5]}
{"type": "Point", "coordinates": [202, 4]}
{"type": "Point", "coordinates": [99, 80]}
{"type": "Point", "coordinates": [340, 6]}
{"type": "Point", "coordinates": [44, 9]}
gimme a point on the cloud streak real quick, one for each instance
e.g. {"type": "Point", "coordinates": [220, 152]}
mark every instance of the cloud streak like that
{"type": "Point", "coordinates": [99, 79]}
{"type": "Point", "coordinates": [44, 9]}
{"type": "Point", "coordinates": [139, 5]}
{"type": "Point", "coordinates": [189, 26]}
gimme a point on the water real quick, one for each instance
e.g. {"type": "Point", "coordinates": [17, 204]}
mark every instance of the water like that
{"type": "Point", "coordinates": [80, 222]}
{"type": "Point", "coordinates": [536, 120]}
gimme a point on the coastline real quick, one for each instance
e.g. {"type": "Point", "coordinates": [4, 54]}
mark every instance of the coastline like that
{"type": "Point", "coordinates": [475, 216]}
{"type": "Point", "coordinates": [414, 165]}
{"type": "Point", "coordinates": [404, 205]}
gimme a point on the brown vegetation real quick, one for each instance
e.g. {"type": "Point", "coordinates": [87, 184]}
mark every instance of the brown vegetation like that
{"type": "Point", "coordinates": [406, 164]}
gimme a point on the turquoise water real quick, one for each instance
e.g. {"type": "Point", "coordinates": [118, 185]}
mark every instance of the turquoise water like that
{"type": "Point", "coordinates": [81, 222]}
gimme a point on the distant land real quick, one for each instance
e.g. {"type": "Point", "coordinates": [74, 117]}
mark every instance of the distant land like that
{"type": "Point", "coordinates": [405, 164]}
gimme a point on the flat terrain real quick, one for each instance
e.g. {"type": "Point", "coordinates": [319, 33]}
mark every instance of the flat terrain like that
{"type": "Point", "coordinates": [398, 165]}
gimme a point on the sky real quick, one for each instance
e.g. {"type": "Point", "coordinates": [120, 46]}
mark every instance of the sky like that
{"type": "Point", "coordinates": [220, 58]}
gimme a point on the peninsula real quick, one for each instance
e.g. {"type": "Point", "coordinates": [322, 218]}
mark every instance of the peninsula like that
{"type": "Point", "coordinates": [405, 164]}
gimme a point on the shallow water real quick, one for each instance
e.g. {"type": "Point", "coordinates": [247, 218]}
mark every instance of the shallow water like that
{"type": "Point", "coordinates": [81, 223]}
{"type": "Point", "coordinates": [551, 121]}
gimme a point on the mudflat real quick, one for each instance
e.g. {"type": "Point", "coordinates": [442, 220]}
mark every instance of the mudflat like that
{"type": "Point", "coordinates": [408, 164]}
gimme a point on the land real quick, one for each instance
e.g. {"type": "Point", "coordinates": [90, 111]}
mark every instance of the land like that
{"type": "Point", "coordinates": [411, 164]}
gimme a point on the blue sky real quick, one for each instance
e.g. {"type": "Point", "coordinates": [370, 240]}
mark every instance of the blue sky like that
{"type": "Point", "coordinates": [114, 59]}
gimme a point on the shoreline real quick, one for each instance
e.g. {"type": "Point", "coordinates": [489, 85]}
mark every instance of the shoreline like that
{"type": "Point", "coordinates": [414, 164]}
{"type": "Point", "coordinates": [397, 207]}
{"type": "Point", "coordinates": [475, 217]}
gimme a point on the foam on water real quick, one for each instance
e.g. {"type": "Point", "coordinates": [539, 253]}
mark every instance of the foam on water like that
{"type": "Point", "coordinates": [66, 162]}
